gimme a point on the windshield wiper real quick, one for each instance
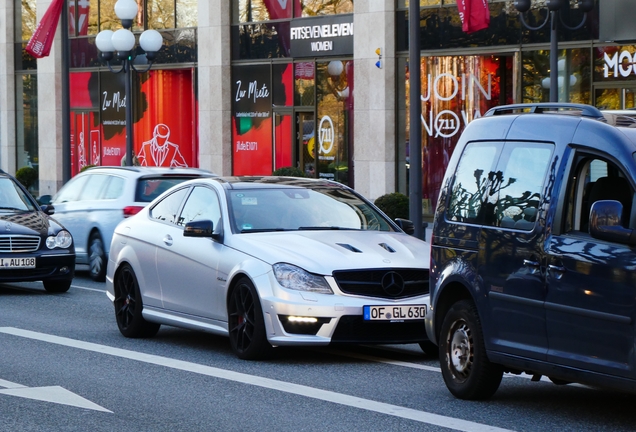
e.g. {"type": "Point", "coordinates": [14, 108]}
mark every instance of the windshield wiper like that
{"type": "Point", "coordinates": [322, 228]}
{"type": "Point", "coordinates": [251, 230]}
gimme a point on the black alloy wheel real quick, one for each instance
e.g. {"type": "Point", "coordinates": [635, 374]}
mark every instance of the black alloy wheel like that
{"type": "Point", "coordinates": [246, 324]}
{"type": "Point", "coordinates": [467, 372]}
{"type": "Point", "coordinates": [97, 258]}
{"type": "Point", "coordinates": [128, 306]}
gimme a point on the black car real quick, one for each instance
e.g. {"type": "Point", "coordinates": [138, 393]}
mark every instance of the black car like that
{"type": "Point", "coordinates": [533, 255]}
{"type": "Point", "coordinates": [33, 246]}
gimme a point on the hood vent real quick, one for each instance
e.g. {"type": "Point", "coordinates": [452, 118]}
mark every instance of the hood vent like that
{"type": "Point", "coordinates": [349, 247]}
{"type": "Point", "coordinates": [387, 247]}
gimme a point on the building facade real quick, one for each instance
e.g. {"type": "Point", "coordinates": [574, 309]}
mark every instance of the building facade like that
{"type": "Point", "coordinates": [249, 86]}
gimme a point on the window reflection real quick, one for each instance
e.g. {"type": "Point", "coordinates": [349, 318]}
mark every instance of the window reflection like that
{"type": "Point", "coordinates": [161, 14]}
{"type": "Point", "coordinates": [25, 21]}
{"type": "Point", "coordinates": [187, 13]}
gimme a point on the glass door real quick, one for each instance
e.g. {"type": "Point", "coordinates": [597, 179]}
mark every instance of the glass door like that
{"type": "Point", "coordinates": [306, 142]}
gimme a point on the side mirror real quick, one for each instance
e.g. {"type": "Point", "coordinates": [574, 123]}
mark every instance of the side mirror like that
{"type": "Point", "coordinates": [48, 209]}
{"type": "Point", "coordinates": [406, 225]}
{"type": "Point", "coordinates": [202, 228]}
{"type": "Point", "coordinates": [44, 199]}
{"type": "Point", "coordinates": [605, 223]}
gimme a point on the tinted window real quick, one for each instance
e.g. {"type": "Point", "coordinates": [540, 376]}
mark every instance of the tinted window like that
{"type": "Point", "coordinates": [470, 185]}
{"type": "Point", "coordinates": [93, 188]}
{"type": "Point", "coordinates": [71, 191]}
{"type": "Point", "coordinates": [516, 187]}
{"type": "Point", "coordinates": [168, 208]}
{"type": "Point", "coordinates": [149, 188]}
{"type": "Point", "coordinates": [202, 204]}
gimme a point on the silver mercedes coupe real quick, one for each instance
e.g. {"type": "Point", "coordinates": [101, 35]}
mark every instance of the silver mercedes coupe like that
{"type": "Point", "coordinates": [269, 261]}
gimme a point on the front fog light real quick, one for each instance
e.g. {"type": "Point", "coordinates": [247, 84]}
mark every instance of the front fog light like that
{"type": "Point", "coordinates": [63, 240]}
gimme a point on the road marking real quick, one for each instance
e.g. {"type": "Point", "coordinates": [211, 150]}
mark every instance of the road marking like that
{"type": "Point", "coordinates": [88, 289]}
{"type": "Point", "coordinates": [287, 387]}
{"type": "Point", "coordinates": [54, 394]}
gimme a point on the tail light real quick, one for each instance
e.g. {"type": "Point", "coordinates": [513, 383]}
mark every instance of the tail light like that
{"type": "Point", "coordinates": [132, 210]}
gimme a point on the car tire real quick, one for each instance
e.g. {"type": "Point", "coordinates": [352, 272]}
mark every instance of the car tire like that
{"type": "Point", "coordinates": [97, 258]}
{"type": "Point", "coordinates": [246, 324]}
{"type": "Point", "coordinates": [430, 349]}
{"type": "Point", "coordinates": [128, 306]}
{"type": "Point", "coordinates": [57, 286]}
{"type": "Point", "coordinates": [466, 370]}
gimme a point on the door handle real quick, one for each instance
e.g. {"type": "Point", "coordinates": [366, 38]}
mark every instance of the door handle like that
{"type": "Point", "coordinates": [168, 240]}
{"type": "Point", "coordinates": [559, 269]}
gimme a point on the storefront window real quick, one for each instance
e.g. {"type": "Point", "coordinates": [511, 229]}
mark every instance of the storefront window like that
{"type": "Point", "coordinates": [187, 13]}
{"type": "Point", "coordinates": [304, 83]}
{"type": "Point", "coordinates": [574, 76]}
{"type": "Point", "coordinates": [312, 8]}
{"type": "Point", "coordinates": [454, 91]}
{"type": "Point", "coordinates": [25, 20]}
{"type": "Point", "coordinates": [27, 123]}
{"type": "Point", "coordinates": [161, 14]}
{"type": "Point", "coordinates": [335, 107]}
{"type": "Point", "coordinates": [262, 10]}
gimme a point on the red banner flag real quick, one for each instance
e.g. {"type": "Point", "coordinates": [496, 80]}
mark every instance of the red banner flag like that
{"type": "Point", "coordinates": [40, 43]}
{"type": "Point", "coordinates": [475, 15]}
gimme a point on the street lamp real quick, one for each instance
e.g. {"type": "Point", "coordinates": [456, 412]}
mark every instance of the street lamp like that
{"type": "Point", "coordinates": [123, 41]}
{"type": "Point", "coordinates": [554, 7]}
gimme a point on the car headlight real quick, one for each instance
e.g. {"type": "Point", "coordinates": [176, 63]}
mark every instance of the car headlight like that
{"type": "Point", "coordinates": [292, 277]}
{"type": "Point", "coordinates": [63, 240]}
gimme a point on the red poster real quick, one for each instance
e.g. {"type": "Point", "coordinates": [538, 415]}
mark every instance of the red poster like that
{"type": "Point", "coordinates": [166, 134]}
{"type": "Point", "coordinates": [78, 18]}
{"type": "Point", "coordinates": [253, 148]}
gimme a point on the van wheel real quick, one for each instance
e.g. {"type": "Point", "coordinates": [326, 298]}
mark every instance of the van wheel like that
{"type": "Point", "coordinates": [97, 258]}
{"type": "Point", "coordinates": [467, 372]}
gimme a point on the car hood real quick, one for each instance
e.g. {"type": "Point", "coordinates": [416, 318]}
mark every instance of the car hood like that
{"type": "Point", "coordinates": [325, 251]}
{"type": "Point", "coordinates": [27, 223]}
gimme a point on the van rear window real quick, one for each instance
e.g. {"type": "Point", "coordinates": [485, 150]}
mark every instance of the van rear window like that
{"type": "Point", "coordinates": [149, 188]}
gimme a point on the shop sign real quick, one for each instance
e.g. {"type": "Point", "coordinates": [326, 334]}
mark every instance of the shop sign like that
{"type": "Point", "coordinates": [447, 87]}
{"type": "Point", "coordinates": [329, 35]}
{"type": "Point", "coordinates": [619, 64]}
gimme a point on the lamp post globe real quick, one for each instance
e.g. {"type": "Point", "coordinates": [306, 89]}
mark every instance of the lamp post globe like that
{"type": "Point", "coordinates": [151, 41]}
{"type": "Point", "coordinates": [126, 11]}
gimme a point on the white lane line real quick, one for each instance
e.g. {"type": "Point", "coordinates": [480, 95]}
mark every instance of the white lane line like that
{"type": "Point", "coordinates": [301, 390]}
{"type": "Point", "coordinates": [88, 289]}
{"type": "Point", "coordinates": [10, 385]}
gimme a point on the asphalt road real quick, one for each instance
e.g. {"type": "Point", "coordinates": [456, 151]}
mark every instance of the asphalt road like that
{"type": "Point", "coordinates": [64, 366]}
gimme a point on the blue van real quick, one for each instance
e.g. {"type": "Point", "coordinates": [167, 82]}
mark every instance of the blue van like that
{"type": "Point", "coordinates": [533, 259]}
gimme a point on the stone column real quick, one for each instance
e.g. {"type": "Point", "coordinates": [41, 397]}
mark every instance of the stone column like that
{"type": "Point", "coordinates": [214, 87]}
{"type": "Point", "coordinates": [374, 100]}
{"type": "Point", "coordinates": [7, 87]}
{"type": "Point", "coordinates": [50, 112]}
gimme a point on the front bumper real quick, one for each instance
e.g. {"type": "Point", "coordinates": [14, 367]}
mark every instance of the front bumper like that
{"type": "Point", "coordinates": [339, 317]}
{"type": "Point", "coordinates": [54, 265]}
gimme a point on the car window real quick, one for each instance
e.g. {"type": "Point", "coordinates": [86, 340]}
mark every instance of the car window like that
{"type": "Point", "coordinates": [149, 188]}
{"type": "Point", "coordinates": [93, 188]}
{"type": "Point", "coordinates": [71, 190]}
{"type": "Point", "coordinates": [12, 197]}
{"type": "Point", "coordinates": [167, 209]}
{"type": "Point", "coordinates": [293, 209]}
{"type": "Point", "coordinates": [469, 191]}
{"type": "Point", "coordinates": [516, 189]}
{"type": "Point", "coordinates": [115, 188]}
{"type": "Point", "coordinates": [202, 204]}
{"type": "Point", "coordinates": [594, 179]}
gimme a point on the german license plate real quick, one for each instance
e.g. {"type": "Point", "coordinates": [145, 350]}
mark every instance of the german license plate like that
{"type": "Point", "coordinates": [394, 313]}
{"type": "Point", "coordinates": [17, 262]}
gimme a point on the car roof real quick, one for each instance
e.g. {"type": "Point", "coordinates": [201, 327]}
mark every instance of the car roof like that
{"type": "Point", "coordinates": [139, 171]}
{"type": "Point", "coordinates": [264, 182]}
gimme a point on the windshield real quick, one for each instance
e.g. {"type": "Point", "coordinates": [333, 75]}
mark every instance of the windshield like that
{"type": "Point", "coordinates": [13, 198]}
{"type": "Point", "coordinates": [302, 209]}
